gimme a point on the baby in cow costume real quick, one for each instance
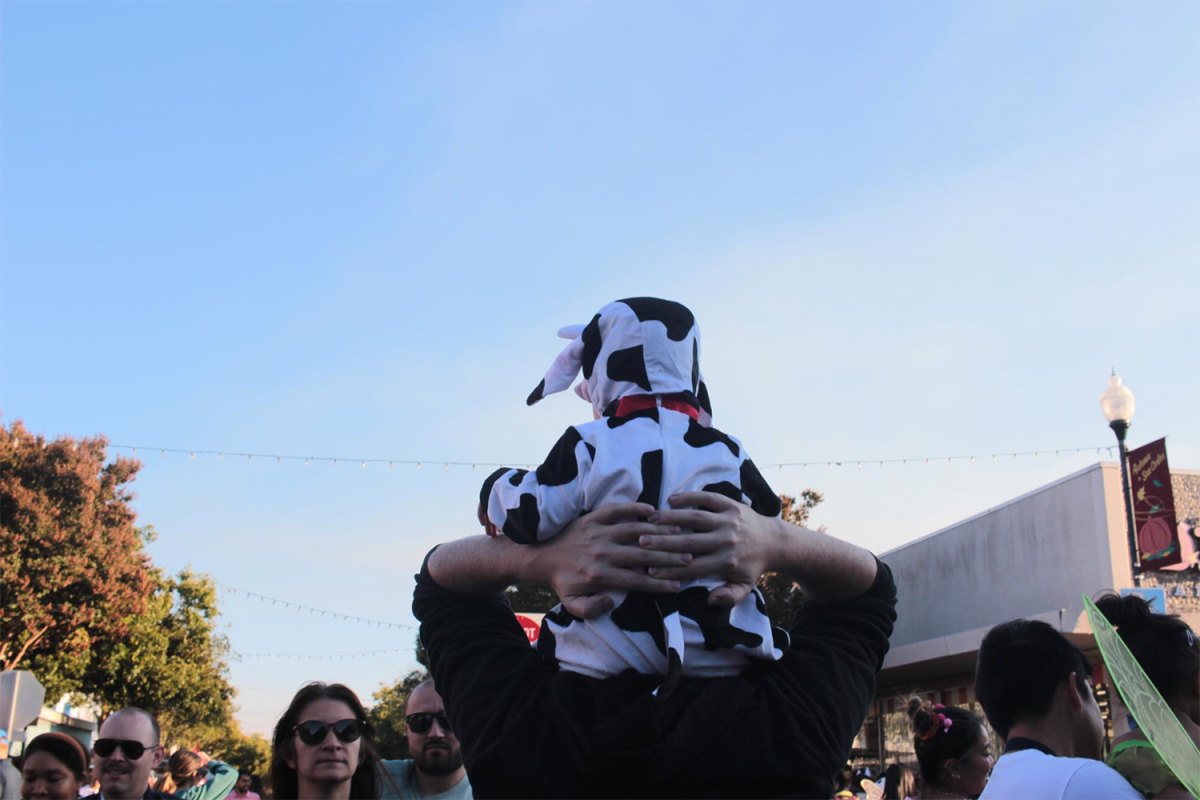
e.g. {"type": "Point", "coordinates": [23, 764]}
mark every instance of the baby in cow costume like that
{"type": "Point", "coordinates": [653, 437]}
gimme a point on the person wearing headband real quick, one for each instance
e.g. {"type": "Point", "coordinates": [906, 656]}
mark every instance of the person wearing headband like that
{"type": "Point", "coordinates": [651, 437]}
{"type": "Point", "coordinates": [54, 766]}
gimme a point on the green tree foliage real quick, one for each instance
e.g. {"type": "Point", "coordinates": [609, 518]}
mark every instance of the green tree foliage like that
{"type": "Point", "coordinates": [387, 715]}
{"type": "Point", "coordinates": [782, 596]}
{"type": "Point", "coordinates": [246, 752]}
{"type": "Point", "coordinates": [172, 663]}
{"type": "Point", "coordinates": [72, 567]}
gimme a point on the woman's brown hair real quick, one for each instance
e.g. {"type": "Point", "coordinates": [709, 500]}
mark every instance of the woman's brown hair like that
{"type": "Point", "coordinates": [285, 783]}
{"type": "Point", "coordinates": [935, 741]}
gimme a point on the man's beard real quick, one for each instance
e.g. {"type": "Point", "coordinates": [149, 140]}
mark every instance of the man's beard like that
{"type": "Point", "coordinates": [438, 761]}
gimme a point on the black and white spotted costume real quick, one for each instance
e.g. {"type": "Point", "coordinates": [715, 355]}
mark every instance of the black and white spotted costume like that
{"type": "Point", "coordinates": [640, 360]}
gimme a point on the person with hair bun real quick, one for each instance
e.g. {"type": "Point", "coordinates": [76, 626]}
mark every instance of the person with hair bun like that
{"type": "Point", "coordinates": [1169, 652]}
{"type": "Point", "coordinates": [53, 766]}
{"type": "Point", "coordinates": [953, 750]}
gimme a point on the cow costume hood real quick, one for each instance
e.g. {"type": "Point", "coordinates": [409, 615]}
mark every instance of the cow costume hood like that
{"type": "Point", "coordinates": [638, 346]}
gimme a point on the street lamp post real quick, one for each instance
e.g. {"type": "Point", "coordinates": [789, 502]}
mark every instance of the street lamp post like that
{"type": "Point", "coordinates": [1117, 403]}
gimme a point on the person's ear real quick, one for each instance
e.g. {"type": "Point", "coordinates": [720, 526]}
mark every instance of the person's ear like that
{"type": "Point", "coordinates": [950, 767]}
{"type": "Point", "coordinates": [159, 752]}
{"type": "Point", "coordinates": [1074, 701]}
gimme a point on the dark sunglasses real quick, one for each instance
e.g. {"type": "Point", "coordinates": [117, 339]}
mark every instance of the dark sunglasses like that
{"type": "Point", "coordinates": [132, 750]}
{"type": "Point", "coordinates": [423, 721]}
{"type": "Point", "coordinates": [313, 732]}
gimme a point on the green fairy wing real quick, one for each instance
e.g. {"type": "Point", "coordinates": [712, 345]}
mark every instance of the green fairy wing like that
{"type": "Point", "coordinates": [1153, 715]}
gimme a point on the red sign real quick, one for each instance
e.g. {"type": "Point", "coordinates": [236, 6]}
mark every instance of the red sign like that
{"type": "Point", "coordinates": [1154, 507]}
{"type": "Point", "coordinates": [531, 625]}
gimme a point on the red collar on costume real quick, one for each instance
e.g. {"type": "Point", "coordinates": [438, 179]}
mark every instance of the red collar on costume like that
{"type": "Point", "coordinates": [640, 402]}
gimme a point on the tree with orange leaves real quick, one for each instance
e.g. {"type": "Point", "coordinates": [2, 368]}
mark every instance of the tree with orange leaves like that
{"type": "Point", "coordinates": [72, 567]}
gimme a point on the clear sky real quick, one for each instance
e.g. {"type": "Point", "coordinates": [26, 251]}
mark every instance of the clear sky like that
{"type": "Point", "coordinates": [352, 229]}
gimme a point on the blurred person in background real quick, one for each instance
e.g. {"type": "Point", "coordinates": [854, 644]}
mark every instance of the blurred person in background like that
{"type": "Point", "coordinates": [242, 790]}
{"type": "Point", "coordinates": [899, 783]}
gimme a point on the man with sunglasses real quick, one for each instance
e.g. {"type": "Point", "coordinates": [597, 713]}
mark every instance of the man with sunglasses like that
{"type": "Point", "coordinates": [436, 768]}
{"type": "Point", "coordinates": [125, 753]}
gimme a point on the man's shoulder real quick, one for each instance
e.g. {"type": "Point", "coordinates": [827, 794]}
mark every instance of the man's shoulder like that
{"type": "Point", "coordinates": [399, 770]}
{"type": "Point", "coordinates": [1031, 775]}
{"type": "Point", "coordinates": [152, 794]}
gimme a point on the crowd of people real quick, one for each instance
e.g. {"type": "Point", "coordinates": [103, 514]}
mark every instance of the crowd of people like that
{"type": "Point", "coordinates": [659, 675]}
{"type": "Point", "coordinates": [513, 725]}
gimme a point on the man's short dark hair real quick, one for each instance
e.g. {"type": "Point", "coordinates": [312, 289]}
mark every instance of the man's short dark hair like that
{"type": "Point", "coordinates": [144, 713]}
{"type": "Point", "coordinates": [1020, 665]}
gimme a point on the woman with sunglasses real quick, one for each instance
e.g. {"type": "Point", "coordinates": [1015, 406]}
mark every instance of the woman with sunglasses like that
{"type": "Point", "coordinates": [323, 747]}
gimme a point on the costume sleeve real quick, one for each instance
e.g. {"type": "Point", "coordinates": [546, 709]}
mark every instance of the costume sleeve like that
{"type": "Point", "coordinates": [531, 507]}
{"type": "Point", "coordinates": [221, 780]}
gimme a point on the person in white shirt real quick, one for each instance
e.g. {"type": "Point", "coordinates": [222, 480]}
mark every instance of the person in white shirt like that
{"type": "Point", "coordinates": [1035, 687]}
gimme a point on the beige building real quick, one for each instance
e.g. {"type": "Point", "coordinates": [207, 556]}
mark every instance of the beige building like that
{"type": "Point", "coordinates": [1032, 557]}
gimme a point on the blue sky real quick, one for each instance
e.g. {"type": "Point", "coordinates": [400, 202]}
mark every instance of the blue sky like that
{"type": "Point", "coordinates": [907, 230]}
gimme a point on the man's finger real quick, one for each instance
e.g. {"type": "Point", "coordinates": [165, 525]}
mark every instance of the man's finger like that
{"type": "Point", "coordinates": [710, 500]}
{"type": "Point", "coordinates": [616, 512]}
{"type": "Point", "coordinates": [638, 557]}
{"type": "Point", "coordinates": [628, 580]}
{"type": "Point", "coordinates": [701, 567]}
{"type": "Point", "coordinates": [729, 595]}
{"type": "Point", "coordinates": [693, 518]}
{"type": "Point", "coordinates": [681, 543]}
{"type": "Point", "coordinates": [627, 532]}
{"type": "Point", "coordinates": [587, 606]}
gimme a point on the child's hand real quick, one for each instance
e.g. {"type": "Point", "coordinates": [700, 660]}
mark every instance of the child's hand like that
{"type": "Point", "coordinates": [491, 529]}
{"type": "Point", "coordinates": [729, 595]}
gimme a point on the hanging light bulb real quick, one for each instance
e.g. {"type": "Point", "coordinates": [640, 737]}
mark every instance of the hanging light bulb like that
{"type": "Point", "coordinates": [335, 462]}
{"type": "Point", "coordinates": [163, 453]}
{"type": "Point", "coordinates": [447, 465]}
{"type": "Point", "coordinates": [306, 461]}
{"type": "Point", "coordinates": [390, 465]}
{"type": "Point", "coordinates": [364, 465]}
{"type": "Point", "coordinates": [278, 460]}
{"type": "Point", "coordinates": [193, 456]}
{"type": "Point", "coordinates": [220, 456]}
{"type": "Point", "coordinates": [993, 457]}
{"type": "Point", "coordinates": [418, 465]}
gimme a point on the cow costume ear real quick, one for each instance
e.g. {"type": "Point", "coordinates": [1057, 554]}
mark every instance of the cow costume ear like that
{"type": "Point", "coordinates": [564, 369]}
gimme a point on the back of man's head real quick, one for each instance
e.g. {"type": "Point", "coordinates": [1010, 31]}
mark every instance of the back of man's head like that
{"type": "Point", "coordinates": [1020, 666]}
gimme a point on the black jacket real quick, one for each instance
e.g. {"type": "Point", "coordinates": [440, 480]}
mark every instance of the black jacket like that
{"type": "Point", "coordinates": [527, 729]}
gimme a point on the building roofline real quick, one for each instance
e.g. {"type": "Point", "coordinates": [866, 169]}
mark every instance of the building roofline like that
{"type": "Point", "coordinates": [1098, 465]}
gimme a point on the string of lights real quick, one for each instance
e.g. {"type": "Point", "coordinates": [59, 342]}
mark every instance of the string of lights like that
{"type": "Point", "coordinates": [390, 463]}
{"type": "Point", "coordinates": [327, 656]}
{"type": "Point", "coordinates": [288, 604]}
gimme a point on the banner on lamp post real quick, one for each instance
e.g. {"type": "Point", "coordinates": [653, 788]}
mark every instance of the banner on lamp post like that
{"type": "Point", "coordinates": [1154, 507]}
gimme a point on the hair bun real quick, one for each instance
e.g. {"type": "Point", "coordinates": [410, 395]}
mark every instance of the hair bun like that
{"type": "Point", "coordinates": [921, 713]}
{"type": "Point", "coordinates": [1126, 612]}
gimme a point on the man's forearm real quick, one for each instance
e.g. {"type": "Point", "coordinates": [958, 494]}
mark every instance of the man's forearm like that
{"type": "Point", "coordinates": [828, 570]}
{"type": "Point", "coordinates": [479, 565]}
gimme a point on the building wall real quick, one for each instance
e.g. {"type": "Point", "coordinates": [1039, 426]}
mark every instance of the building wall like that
{"type": "Point", "coordinates": [1030, 556]}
